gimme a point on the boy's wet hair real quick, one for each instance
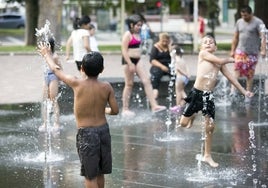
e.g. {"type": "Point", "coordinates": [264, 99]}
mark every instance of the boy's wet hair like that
{"type": "Point", "coordinates": [92, 64]}
{"type": "Point", "coordinates": [52, 44]}
{"type": "Point", "coordinates": [211, 37]}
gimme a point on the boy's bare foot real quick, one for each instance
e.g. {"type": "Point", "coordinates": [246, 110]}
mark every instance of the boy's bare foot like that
{"type": "Point", "coordinates": [189, 125]}
{"type": "Point", "coordinates": [209, 160]}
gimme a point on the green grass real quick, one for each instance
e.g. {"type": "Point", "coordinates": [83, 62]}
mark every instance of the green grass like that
{"type": "Point", "coordinates": [17, 49]}
{"type": "Point", "coordinates": [110, 48]}
{"type": "Point", "coordinates": [12, 32]}
{"type": "Point", "coordinates": [103, 48]}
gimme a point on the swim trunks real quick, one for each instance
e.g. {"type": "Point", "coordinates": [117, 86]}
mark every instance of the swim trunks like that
{"type": "Point", "coordinates": [94, 150]}
{"type": "Point", "coordinates": [245, 63]}
{"type": "Point", "coordinates": [78, 65]}
{"type": "Point", "coordinates": [199, 100]}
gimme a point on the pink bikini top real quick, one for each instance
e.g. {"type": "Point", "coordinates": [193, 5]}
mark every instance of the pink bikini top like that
{"type": "Point", "coordinates": [134, 43]}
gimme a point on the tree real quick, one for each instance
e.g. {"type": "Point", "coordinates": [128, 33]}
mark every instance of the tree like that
{"type": "Point", "coordinates": [261, 10]}
{"type": "Point", "coordinates": [37, 12]}
{"type": "Point", "coordinates": [32, 13]}
{"type": "Point", "coordinates": [51, 11]}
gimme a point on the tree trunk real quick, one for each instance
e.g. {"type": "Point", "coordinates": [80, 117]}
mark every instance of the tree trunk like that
{"type": "Point", "coordinates": [261, 11]}
{"type": "Point", "coordinates": [32, 12]}
{"type": "Point", "coordinates": [51, 10]}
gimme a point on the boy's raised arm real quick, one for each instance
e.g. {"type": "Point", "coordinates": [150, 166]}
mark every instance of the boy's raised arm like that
{"type": "Point", "coordinates": [225, 71]}
{"type": "Point", "coordinates": [45, 51]}
{"type": "Point", "coordinates": [214, 59]}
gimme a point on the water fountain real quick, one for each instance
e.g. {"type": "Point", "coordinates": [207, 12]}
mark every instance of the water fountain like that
{"type": "Point", "coordinates": [170, 134]}
{"type": "Point", "coordinates": [139, 160]}
{"type": "Point", "coordinates": [255, 125]}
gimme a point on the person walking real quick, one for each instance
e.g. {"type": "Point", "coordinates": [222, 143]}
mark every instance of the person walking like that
{"type": "Point", "coordinates": [92, 39]}
{"type": "Point", "coordinates": [79, 39]}
{"type": "Point", "coordinates": [132, 65]}
{"type": "Point", "coordinates": [247, 43]}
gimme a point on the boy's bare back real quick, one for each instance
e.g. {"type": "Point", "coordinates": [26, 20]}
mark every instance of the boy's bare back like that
{"type": "Point", "coordinates": [90, 99]}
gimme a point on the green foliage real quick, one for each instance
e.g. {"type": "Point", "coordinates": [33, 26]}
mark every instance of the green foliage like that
{"type": "Point", "coordinates": [12, 32]}
{"type": "Point", "coordinates": [174, 7]}
{"type": "Point", "coordinates": [15, 49]}
{"type": "Point", "coordinates": [103, 48]}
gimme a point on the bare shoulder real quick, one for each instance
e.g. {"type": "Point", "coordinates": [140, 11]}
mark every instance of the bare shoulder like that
{"type": "Point", "coordinates": [204, 53]}
{"type": "Point", "coordinates": [106, 85]}
{"type": "Point", "coordinates": [126, 35]}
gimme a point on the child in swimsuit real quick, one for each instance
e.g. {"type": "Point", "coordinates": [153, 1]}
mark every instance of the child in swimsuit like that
{"type": "Point", "coordinates": [201, 97]}
{"type": "Point", "coordinates": [50, 93]}
{"type": "Point", "coordinates": [132, 65]}
{"type": "Point", "coordinates": [182, 78]}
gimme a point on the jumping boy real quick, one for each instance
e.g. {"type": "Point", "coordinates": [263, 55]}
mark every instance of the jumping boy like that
{"type": "Point", "coordinates": [90, 99]}
{"type": "Point", "coordinates": [201, 96]}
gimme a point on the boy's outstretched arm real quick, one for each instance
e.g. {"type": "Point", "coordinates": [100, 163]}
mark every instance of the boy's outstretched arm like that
{"type": "Point", "coordinates": [45, 51]}
{"type": "Point", "coordinates": [214, 59]}
{"type": "Point", "coordinates": [234, 81]}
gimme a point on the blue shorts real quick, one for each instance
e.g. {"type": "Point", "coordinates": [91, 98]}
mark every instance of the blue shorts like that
{"type": "Point", "coordinates": [49, 77]}
{"type": "Point", "coordinates": [94, 149]}
{"type": "Point", "coordinates": [182, 78]}
{"type": "Point", "coordinates": [156, 75]}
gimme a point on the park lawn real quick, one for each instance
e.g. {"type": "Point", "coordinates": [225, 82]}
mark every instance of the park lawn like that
{"type": "Point", "coordinates": [29, 49]}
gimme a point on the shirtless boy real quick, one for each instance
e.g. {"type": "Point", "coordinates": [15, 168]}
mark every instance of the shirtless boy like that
{"type": "Point", "coordinates": [201, 96]}
{"type": "Point", "coordinates": [90, 99]}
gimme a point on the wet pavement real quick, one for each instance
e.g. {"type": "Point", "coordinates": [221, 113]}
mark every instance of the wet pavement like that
{"type": "Point", "coordinates": [146, 152]}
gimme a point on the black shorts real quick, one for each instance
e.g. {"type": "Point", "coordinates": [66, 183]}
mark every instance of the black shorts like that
{"type": "Point", "coordinates": [133, 60]}
{"type": "Point", "coordinates": [94, 149]}
{"type": "Point", "coordinates": [156, 75]}
{"type": "Point", "coordinates": [199, 100]}
{"type": "Point", "coordinates": [78, 64]}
